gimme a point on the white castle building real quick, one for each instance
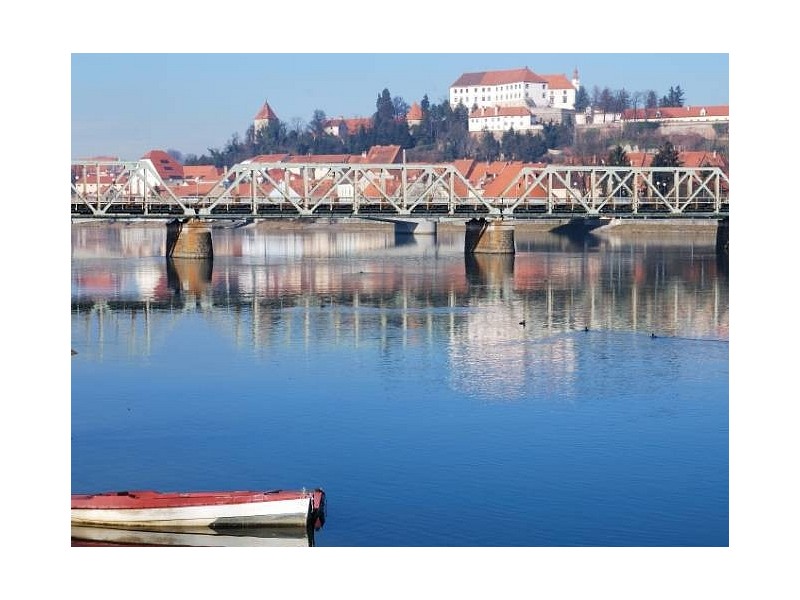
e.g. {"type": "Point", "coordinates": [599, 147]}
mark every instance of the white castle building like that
{"type": "Point", "coordinates": [518, 98]}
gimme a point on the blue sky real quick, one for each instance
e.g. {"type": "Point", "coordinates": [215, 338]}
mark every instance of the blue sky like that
{"type": "Point", "coordinates": [125, 104]}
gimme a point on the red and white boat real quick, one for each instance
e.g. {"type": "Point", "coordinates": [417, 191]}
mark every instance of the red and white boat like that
{"type": "Point", "coordinates": [151, 509]}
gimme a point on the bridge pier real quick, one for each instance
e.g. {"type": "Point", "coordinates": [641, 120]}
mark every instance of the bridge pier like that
{"type": "Point", "coordinates": [489, 237]}
{"type": "Point", "coordinates": [189, 239]}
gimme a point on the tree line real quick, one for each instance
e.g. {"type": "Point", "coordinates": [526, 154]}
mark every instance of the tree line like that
{"type": "Point", "coordinates": [606, 100]}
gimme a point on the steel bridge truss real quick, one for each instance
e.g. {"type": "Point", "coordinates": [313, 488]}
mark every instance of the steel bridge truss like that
{"type": "Point", "coordinates": [117, 188]}
{"type": "Point", "coordinates": [314, 189]}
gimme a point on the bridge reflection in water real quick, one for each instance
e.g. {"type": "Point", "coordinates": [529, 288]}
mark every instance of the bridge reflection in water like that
{"type": "Point", "coordinates": [477, 303]}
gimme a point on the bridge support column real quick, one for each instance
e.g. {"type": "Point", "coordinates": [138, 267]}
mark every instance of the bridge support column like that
{"type": "Point", "coordinates": [190, 239]}
{"type": "Point", "coordinates": [489, 237]}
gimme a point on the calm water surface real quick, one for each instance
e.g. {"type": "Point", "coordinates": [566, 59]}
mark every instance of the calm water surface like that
{"type": "Point", "coordinates": [395, 374]}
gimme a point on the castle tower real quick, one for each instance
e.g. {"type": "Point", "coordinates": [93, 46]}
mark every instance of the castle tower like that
{"type": "Point", "coordinates": [263, 117]}
{"type": "Point", "coordinates": [414, 116]}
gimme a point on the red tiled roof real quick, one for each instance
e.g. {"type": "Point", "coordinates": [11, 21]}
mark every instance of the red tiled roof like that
{"type": "Point", "coordinates": [384, 154]}
{"type": "Point", "coordinates": [686, 158]}
{"type": "Point", "coordinates": [388, 186]}
{"type": "Point", "coordinates": [166, 166]}
{"type": "Point", "coordinates": [558, 82]}
{"type": "Point", "coordinates": [498, 77]}
{"type": "Point", "coordinates": [500, 182]}
{"type": "Point", "coordinates": [269, 158]}
{"type": "Point", "coordinates": [414, 113]}
{"type": "Point", "coordinates": [701, 159]}
{"type": "Point", "coordinates": [500, 111]}
{"type": "Point", "coordinates": [319, 158]}
{"type": "Point", "coordinates": [200, 188]}
{"type": "Point", "coordinates": [351, 124]}
{"type": "Point", "coordinates": [464, 166]}
{"type": "Point", "coordinates": [266, 113]}
{"type": "Point", "coordinates": [207, 172]}
{"type": "Point", "coordinates": [675, 112]}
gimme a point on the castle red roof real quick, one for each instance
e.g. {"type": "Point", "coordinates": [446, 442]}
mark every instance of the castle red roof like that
{"type": "Point", "coordinates": [500, 111]}
{"type": "Point", "coordinates": [266, 113]}
{"type": "Point", "coordinates": [558, 82]}
{"type": "Point", "coordinates": [498, 77]}
{"type": "Point", "coordinates": [414, 113]}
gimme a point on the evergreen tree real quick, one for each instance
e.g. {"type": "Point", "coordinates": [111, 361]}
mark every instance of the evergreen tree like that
{"type": "Point", "coordinates": [673, 98]}
{"type": "Point", "coordinates": [581, 99]}
{"type": "Point", "coordinates": [383, 119]}
{"type": "Point", "coordinates": [510, 144]}
{"type": "Point", "coordinates": [667, 156]}
{"type": "Point", "coordinates": [488, 148]}
{"type": "Point", "coordinates": [651, 100]}
{"type": "Point", "coordinates": [316, 126]}
{"type": "Point", "coordinates": [617, 157]}
{"type": "Point", "coordinates": [531, 147]}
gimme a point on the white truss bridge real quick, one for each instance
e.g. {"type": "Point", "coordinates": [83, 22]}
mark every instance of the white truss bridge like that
{"type": "Point", "coordinates": [134, 189]}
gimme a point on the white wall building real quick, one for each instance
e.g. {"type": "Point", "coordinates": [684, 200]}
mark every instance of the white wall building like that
{"type": "Point", "coordinates": [518, 88]}
{"type": "Point", "coordinates": [503, 118]}
{"type": "Point", "coordinates": [492, 88]}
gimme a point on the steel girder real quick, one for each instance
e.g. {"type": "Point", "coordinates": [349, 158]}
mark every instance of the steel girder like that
{"type": "Point", "coordinates": [120, 183]}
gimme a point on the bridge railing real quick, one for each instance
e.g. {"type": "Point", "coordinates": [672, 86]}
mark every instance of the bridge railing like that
{"type": "Point", "coordinates": [119, 189]}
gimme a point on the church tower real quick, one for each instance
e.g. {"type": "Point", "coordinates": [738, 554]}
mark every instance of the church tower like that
{"type": "Point", "coordinates": [576, 81]}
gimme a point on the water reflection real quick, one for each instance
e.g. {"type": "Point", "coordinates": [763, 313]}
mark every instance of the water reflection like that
{"type": "Point", "coordinates": [189, 275]}
{"type": "Point", "coordinates": [353, 287]}
{"type": "Point", "coordinates": [198, 536]}
{"type": "Point", "coordinates": [489, 271]}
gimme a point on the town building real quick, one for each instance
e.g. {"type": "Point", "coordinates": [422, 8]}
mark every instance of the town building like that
{"type": "Point", "coordinates": [341, 127]}
{"type": "Point", "coordinates": [497, 119]}
{"type": "Point", "coordinates": [167, 167]}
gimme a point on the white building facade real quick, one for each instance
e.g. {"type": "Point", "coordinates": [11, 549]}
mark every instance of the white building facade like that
{"type": "Point", "coordinates": [503, 118]}
{"type": "Point", "coordinates": [490, 96]}
{"type": "Point", "coordinates": [499, 88]}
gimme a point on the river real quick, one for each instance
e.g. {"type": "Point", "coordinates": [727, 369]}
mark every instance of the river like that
{"type": "Point", "coordinates": [574, 394]}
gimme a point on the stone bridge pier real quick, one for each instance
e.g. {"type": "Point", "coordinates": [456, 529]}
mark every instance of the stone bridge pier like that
{"type": "Point", "coordinates": [484, 236]}
{"type": "Point", "coordinates": [189, 239]}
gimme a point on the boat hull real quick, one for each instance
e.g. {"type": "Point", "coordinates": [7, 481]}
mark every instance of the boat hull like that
{"type": "Point", "coordinates": [148, 509]}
